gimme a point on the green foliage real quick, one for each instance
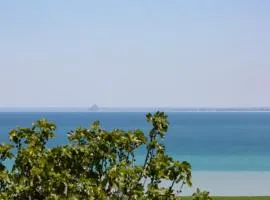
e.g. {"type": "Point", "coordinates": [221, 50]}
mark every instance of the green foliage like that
{"type": "Point", "coordinates": [201, 195]}
{"type": "Point", "coordinates": [96, 164]}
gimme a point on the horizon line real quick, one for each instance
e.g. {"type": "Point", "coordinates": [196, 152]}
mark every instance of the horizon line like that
{"type": "Point", "coordinates": [136, 107]}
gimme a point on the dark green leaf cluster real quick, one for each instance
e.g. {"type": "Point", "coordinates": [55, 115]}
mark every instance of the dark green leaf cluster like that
{"type": "Point", "coordinates": [95, 164]}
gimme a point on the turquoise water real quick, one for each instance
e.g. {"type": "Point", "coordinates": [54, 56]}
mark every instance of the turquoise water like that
{"type": "Point", "coordinates": [209, 141]}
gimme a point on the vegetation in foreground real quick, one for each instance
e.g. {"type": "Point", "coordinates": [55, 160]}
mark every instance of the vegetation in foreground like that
{"type": "Point", "coordinates": [96, 164]}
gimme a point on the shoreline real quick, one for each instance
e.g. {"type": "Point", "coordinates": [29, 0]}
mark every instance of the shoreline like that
{"type": "Point", "coordinates": [230, 183]}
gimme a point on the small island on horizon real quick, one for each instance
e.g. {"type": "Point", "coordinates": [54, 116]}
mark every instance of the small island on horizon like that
{"type": "Point", "coordinates": [94, 108]}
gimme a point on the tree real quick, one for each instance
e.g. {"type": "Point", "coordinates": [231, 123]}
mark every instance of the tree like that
{"type": "Point", "coordinates": [96, 164]}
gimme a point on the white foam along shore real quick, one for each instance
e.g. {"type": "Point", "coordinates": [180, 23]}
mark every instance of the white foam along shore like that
{"type": "Point", "coordinates": [236, 183]}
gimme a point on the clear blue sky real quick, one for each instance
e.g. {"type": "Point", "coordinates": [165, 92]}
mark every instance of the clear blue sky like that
{"type": "Point", "coordinates": [135, 53]}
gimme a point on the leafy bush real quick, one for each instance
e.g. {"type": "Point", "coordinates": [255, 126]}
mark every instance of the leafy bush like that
{"type": "Point", "coordinates": [96, 164]}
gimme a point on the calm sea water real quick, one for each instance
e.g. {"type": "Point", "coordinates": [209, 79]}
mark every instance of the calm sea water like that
{"type": "Point", "coordinates": [209, 141]}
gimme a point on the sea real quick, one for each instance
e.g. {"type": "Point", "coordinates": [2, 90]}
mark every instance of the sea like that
{"type": "Point", "coordinates": [229, 151]}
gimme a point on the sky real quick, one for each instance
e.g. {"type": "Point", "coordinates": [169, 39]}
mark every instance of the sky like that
{"type": "Point", "coordinates": [135, 53]}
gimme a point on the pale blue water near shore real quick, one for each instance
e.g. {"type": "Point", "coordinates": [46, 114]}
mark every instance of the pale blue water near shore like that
{"type": "Point", "coordinates": [217, 144]}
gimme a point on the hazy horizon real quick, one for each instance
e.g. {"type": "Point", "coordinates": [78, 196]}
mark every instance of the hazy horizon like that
{"type": "Point", "coordinates": [135, 53]}
{"type": "Point", "coordinates": [99, 106]}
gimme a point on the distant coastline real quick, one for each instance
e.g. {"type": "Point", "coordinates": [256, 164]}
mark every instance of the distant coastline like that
{"type": "Point", "coordinates": [134, 109]}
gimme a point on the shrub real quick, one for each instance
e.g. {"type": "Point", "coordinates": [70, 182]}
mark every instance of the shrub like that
{"type": "Point", "coordinates": [96, 164]}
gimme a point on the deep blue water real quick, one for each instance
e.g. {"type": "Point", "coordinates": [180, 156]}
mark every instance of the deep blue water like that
{"type": "Point", "coordinates": [217, 141]}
